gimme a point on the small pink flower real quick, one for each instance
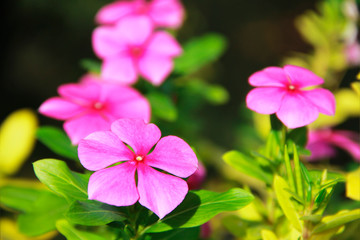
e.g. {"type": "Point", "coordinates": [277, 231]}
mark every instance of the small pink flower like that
{"type": "Point", "coordinates": [131, 47]}
{"type": "Point", "coordinates": [281, 91]}
{"type": "Point", "coordinates": [352, 53]}
{"type": "Point", "coordinates": [93, 105]}
{"type": "Point", "coordinates": [117, 185]}
{"type": "Point", "coordinates": [321, 143]}
{"type": "Point", "coordinates": [163, 13]}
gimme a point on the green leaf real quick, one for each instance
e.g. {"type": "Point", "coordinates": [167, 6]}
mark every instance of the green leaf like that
{"type": "Point", "coordinates": [162, 106]}
{"type": "Point", "coordinates": [176, 234]}
{"type": "Point", "coordinates": [19, 198]}
{"type": "Point", "coordinates": [284, 199]}
{"type": "Point", "coordinates": [56, 140]}
{"type": "Point", "coordinates": [337, 220]}
{"type": "Point", "coordinates": [200, 206]}
{"type": "Point", "coordinates": [57, 176]}
{"type": "Point", "coordinates": [247, 165]}
{"type": "Point", "coordinates": [298, 136]}
{"type": "Point", "coordinates": [200, 51]}
{"type": "Point", "coordinates": [91, 65]}
{"type": "Point", "coordinates": [93, 213]}
{"type": "Point", "coordinates": [47, 209]}
{"type": "Point", "coordinates": [71, 233]}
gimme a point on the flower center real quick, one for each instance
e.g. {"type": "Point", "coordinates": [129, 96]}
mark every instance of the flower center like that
{"type": "Point", "coordinates": [291, 87]}
{"type": "Point", "coordinates": [98, 105]}
{"type": "Point", "coordinates": [136, 51]}
{"type": "Point", "coordinates": [139, 158]}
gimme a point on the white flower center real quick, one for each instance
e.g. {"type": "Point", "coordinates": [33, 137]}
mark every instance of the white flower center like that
{"type": "Point", "coordinates": [291, 87]}
{"type": "Point", "coordinates": [139, 158]}
{"type": "Point", "coordinates": [98, 105]}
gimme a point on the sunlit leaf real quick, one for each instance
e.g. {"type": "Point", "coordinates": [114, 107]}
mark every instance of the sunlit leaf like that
{"type": "Point", "coordinates": [200, 206]}
{"type": "Point", "coordinates": [93, 213]}
{"type": "Point", "coordinates": [353, 185]}
{"type": "Point", "coordinates": [285, 203]}
{"type": "Point", "coordinates": [57, 176]}
{"type": "Point", "coordinates": [17, 137]}
{"type": "Point", "coordinates": [268, 235]}
{"type": "Point", "coordinates": [337, 220]}
{"type": "Point", "coordinates": [56, 140]}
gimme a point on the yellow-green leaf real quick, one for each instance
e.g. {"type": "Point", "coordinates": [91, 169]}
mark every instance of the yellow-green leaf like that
{"type": "Point", "coordinates": [353, 185]}
{"type": "Point", "coordinates": [268, 235]}
{"type": "Point", "coordinates": [284, 200]}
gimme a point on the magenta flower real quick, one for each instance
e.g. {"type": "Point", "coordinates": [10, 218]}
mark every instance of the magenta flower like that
{"type": "Point", "coordinates": [93, 105]}
{"type": "Point", "coordinates": [282, 91]}
{"type": "Point", "coordinates": [163, 13]}
{"type": "Point", "coordinates": [131, 47]}
{"type": "Point", "coordinates": [117, 185]}
{"type": "Point", "coordinates": [322, 143]}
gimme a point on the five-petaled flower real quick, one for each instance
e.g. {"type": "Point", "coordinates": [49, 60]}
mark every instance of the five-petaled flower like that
{"type": "Point", "coordinates": [131, 47]}
{"type": "Point", "coordinates": [282, 91]}
{"type": "Point", "coordinates": [92, 105]}
{"type": "Point", "coordinates": [116, 184]}
{"type": "Point", "coordinates": [162, 13]}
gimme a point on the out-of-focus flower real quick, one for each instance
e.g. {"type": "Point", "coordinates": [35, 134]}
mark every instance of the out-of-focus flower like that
{"type": "Point", "coordinates": [131, 48]}
{"type": "Point", "coordinates": [353, 185]}
{"type": "Point", "coordinates": [115, 183]}
{"type": "Point", "coordinates": [17, 138]}
{"type": "Point", "coordinates": [163, 13]}
{"type": "Point", "coordinates": [93, 105]}
{"type": "Point", "coordinates": [282, 91]}
{"type": "Point", "coordinates": [196, 180]}
{"type": "Point", "coordinates": [352, 52]}
{"type": "Point", "coordinates": [321, 143]}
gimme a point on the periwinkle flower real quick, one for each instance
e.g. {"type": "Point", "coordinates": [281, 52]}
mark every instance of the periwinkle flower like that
{"type": "Point", "coordinates": [131, 48]}
{"type": "Point", "coordinates": [162, 13]}
{"type": "Point", "coordinates": [92, 105]}
{"type": "Point", "coordinates": [283, 91]}
{"type": "Point", "coordinates": [116, 166]}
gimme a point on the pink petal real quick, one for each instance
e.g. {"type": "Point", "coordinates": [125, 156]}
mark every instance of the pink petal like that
{"type": "Point", "coordinates": [78, 128]}
{"type": "Point", "coordinates": [167, 13]}
{"type": "Point", "coordinates": [83, 93]}
{"type": "Point", "coordinates": [173, 155]}
{"type": "Point", "coordinates": [159, 192]}
{"type": "Point", "coordinates": [162, 43]}
{"type": "Point", "coordinates": [102, 149]}
{"type": "Point", "coordinates": [265, 100]}
{"type": "Point", "coordinates": [269, 77]}
{"type": "Point", "coordinates": [135, 132]}
{"type": "Point", "coordinates": [340, 139]}
{"type": "Point", "coordinates": [112, 12]}
{"type": "Point", "coordinates": [296, 111]}
{"type": "Point", "coordinates": [155, 68]}
{"type": "Point", "coordinates": [114, 185]}
{"type": "Point", "coordinates": [302, 77]}
{"type": "Point", "coordinates": [323, 99]}
{"type": "Point", "coordinates": [119, 70]}
{"type": "Point", "coordinates": [107, 42]}
{"type": "Point", "coordinates": [135, 30]}
{"type": "Point", "coordinates": [60, 108]}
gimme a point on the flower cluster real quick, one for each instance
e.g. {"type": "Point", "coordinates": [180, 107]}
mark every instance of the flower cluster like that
{"type": "Point", "coordinates": [102, 114]}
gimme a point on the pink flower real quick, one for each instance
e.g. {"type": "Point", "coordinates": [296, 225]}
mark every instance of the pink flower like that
{"type": "Point", "coordinates": [163, 13]}
{"type": "Point", "coordinates": [117, 185]}
{"type": "Point", "coordinates": [281, 91]}
{"type": "Point", "coordinates": [92, 105]}
{"type": "Point", "coordinates": [321, 143]}
{"type": "Point", "coordinates": [131, 47]}
{"type": "Point", "coordinates": [352, 53]}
